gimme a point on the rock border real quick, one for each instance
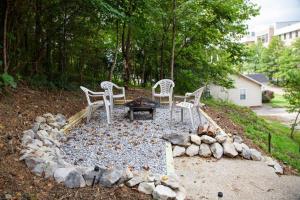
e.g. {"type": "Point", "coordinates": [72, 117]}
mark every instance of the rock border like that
{"type": "Point", "coordinates": [43, 156]}
{"type": "Point", "coordinates": [216, 144]}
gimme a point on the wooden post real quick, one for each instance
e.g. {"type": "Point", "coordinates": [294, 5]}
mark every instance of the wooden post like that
{"type": "Point", "coordinates": [269, 142]}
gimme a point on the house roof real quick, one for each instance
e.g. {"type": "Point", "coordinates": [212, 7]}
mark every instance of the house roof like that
{"type": "Point", "coordinates": [259, 77]}
{"type": "Point", "coordinates": [250, 79]}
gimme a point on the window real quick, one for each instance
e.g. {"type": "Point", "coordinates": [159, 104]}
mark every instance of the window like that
{"type": "Point", "coordinates": [291, 33]}
{"type": "Point", "coordinates": [284, 36]}
{"type": "Point", "coordinates": [242, 94]}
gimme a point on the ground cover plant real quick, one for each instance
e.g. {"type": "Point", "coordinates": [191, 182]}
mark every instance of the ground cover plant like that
{"type": "Point", "coordinates": [257, 129]}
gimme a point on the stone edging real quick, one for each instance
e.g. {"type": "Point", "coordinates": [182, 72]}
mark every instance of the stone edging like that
{"type": "Point", "coordinates": [43, 156]}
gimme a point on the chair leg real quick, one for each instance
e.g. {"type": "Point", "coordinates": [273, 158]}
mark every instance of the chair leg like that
{"type": "Point", "coordinates": [181, 113]}
{"type": "Point", "coordinates": [108, 114]}
{"type": "Point", "coordinates": [111, 104]}
{"type": "Point", "coordinates": [89, 113]}
{"type": "Point", "coordinates": [192, 120]}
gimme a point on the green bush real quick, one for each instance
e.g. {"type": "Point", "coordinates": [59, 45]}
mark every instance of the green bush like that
{"type": "Point", "coordinates": [267, 96]}
{"type": "Point", "coordinates": [7, 80]}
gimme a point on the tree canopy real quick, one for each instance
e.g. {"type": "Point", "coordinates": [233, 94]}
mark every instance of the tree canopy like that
{"type": "Point", "coordinates": [63, 43]}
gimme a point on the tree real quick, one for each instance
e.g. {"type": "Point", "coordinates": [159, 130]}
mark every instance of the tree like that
{"type": "Point", "coordinates": [292, 89]}
{"type": "Point", "coordinates": [270, 58]}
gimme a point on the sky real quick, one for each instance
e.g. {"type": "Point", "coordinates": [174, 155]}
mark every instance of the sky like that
{"type": "Point", "coordinates": [274, 11]}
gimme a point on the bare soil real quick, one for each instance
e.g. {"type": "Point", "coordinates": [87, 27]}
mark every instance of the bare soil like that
{"type": "Point", "coordinates": [18, 109]}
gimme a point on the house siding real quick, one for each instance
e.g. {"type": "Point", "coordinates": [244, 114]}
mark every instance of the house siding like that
{"type": "Point", "coordinates": [253, 92]}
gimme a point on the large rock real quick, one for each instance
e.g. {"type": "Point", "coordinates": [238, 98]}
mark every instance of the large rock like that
{"type": "Point", "coordinates": [163, 193]}
{"type": "Point", "coordinates": [217, 150]}
{"type": "Point", "coordinates": [171, 181]}
{"type": "Point", "coordinates": [255, 155]}
{"type": "Point", "coordinates": [44, 126]}
{"type": "Point", "coordinates": [229, 149]}
{"type": "Point", "coordinates": [238, 147]}
{"type": "Point", "coordinates": [93, 175]}
{"type": "Point", "coordinates": [135, 180]}
{"type": "Point", "coordinates": [60, 174]}
{"type": "Point", "coordinates": [196, 139]}
{"type": "Point", "coordinates": [40, 119]}
{"type": "Point", "coordinates": [177, 139]}
{"type": "Point", "coordinates": [221, 136]}
{"type": "Point", "coordinates": [29, 133]}
{"type": "Point", "coordinates": [278, 169]}
{"type": "Point", "coordinates": [74, 180]}
{"type": "Point", "coordinates": [192, 150]}
{"type": "Point", "coordinates": [178, 151]}
{"type": "Point", "coordinates": [246, 153]}
{"type": "Point", "coordinates": [208, 140]}
{"type": "Point", "coordinates": [111, 176]}
{"type": "Point", "coordinates": [237, 139]}
{"type": "Point", "coordinates": [204, 150]}
{"type": "Point", "coordinates": [146, 187]}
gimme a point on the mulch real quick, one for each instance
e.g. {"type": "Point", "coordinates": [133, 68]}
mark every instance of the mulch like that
{"type": "Point", "coordinates": [18, 109]}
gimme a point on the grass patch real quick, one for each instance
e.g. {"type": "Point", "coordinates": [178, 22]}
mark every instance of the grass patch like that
{"type": "Point", "coordinates": [279, 102]}
{"type": "Point", "coordinates": [257, 129]}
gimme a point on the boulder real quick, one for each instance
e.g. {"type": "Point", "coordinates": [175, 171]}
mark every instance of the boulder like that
{"type": "Point", "coordinates": [74, 180]}
{"type": "Point", "coordinates": [163, 193]}
{"type": "Point", "coordinates": [207, 139]}
{"type": "Point", "coordinates": [111, 176]}
{"type": "Point", "coordinates": [127, 175]}
{"type": "Point", "coordinates": [35, 127]}
{"type": "Point", "coordinates": [269, 161]}
{"type": "Point", "coordinates": [255, 155]}
{"type": "Point", "coordinates": [221, 136]}
{"type": "Point", "coordinates": [135, 180]}
{"type": "Point", "coordinates": [146, 187]}
{"type": "Point", "coordinates": [91, 175]}
{"type": "Point", "coordinates": [177, 139]}
{"type": "Point", "coordinates": [178, 151]}
{"type": "Point", "coordinates": [44, 126]}
{"type": "Point", "coordinates": [238, 147]}
{"type": "Point", "coordinates": [229, 149]}
{"type": "Point", "coordinates": [217, 150]}
{"type": "Point", "coordinates": [278, 169]}
{"type": "Point", "coordinates": [192, 150]}
{"type": "Point", "coordinates": [246, 153]}
{"type": "Point", "coordinates": [60, 174]}
{"type": "Point", "coordinates": [204, 150]}
{"type": "Point", "coordinates": [196, 139]}
{"type": "Point", "coordinates": [171, 181]}
{"type": "Point", "coordinates": [29, 133]}
{"type": "Point", "coordinates": [237, 139]}
{"type": "Point", "coordinates": [40, 119]}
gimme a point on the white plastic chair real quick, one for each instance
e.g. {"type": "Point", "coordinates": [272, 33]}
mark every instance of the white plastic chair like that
{"type": "Point", "coordinates": [107, 85]}
{"type": "Point", "coordinates": [189, 105]}
{"type": "Point", "coordinates": [105, 102]}
{"type": "Point", "coordinates": [166, 90]}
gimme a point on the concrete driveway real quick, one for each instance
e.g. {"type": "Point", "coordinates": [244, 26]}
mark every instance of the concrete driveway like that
{"type": "Point", "coordinates": [237, 179]}
{"type": "Point", "coordinates": [279, 114]}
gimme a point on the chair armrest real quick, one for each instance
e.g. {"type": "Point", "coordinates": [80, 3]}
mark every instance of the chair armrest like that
{"type": "Point", "coordinates": [95, 94]}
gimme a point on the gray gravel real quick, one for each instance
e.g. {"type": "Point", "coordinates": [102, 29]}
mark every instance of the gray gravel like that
{"type": "Point", "coordinates": [122, 144]}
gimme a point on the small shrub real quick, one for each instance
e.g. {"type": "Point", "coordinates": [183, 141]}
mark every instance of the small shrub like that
{"type": "Point", "coordinates": [7, 80]}
{"type": "Point", "coordinates": [267, 96]}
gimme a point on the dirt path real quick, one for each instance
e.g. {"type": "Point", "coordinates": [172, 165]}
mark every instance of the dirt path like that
{"type": "Point", "coordinates": [237, 179]}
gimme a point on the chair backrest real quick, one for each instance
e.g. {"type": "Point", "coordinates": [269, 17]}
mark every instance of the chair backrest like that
{"type": "Point", "coordinates": [166, 86]}
{"type": "Point", "coordinates": [197, 95]}
{"type": "Point", "coordinates": [107, 85]}
{"type": "Point", "coordinates": [86, 92]}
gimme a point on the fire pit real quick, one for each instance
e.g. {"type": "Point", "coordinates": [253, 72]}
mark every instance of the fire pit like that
{"type": "Point", "coordinates": [141, 104]}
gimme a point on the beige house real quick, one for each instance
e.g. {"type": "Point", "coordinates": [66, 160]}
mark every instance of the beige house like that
{"type": "Point", "coordinates": [246, 91]}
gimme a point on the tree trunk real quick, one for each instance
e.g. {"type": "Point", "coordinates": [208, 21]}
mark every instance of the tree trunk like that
{"type": "Point", "coordinates": [5, 38]}
{"type": "Point", "coordinates": [38, 32]}
{"type": "Point", "coordinates": [126, 53]}
{"type": "Point", "coordinates": [173, 41]}
{"type": "Point", "coordinates": [294, 125]}
{"type": "Point", "coordinates": [162, 56]}
{"type": "Point", "coordinates": [116, 53]}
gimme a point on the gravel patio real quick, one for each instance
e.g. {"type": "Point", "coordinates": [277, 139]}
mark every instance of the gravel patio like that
{"type": "Point", "coordinates": [137, 145]}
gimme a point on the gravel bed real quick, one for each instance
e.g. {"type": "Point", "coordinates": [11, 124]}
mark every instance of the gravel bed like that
{"type": "Point", "coordinates": [136, 144]}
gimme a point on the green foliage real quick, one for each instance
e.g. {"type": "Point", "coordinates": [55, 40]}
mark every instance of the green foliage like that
{"type": "Point", "coordinates": [292, 89]}
{"type": "Point", "coordinates": [7, 80]}
{"type": "Point", "coordinates": [279, 101]}
{"type": "Point", "coordinates": [257, 129]}
{"type": "Point", "coordinates": [70, 42]}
